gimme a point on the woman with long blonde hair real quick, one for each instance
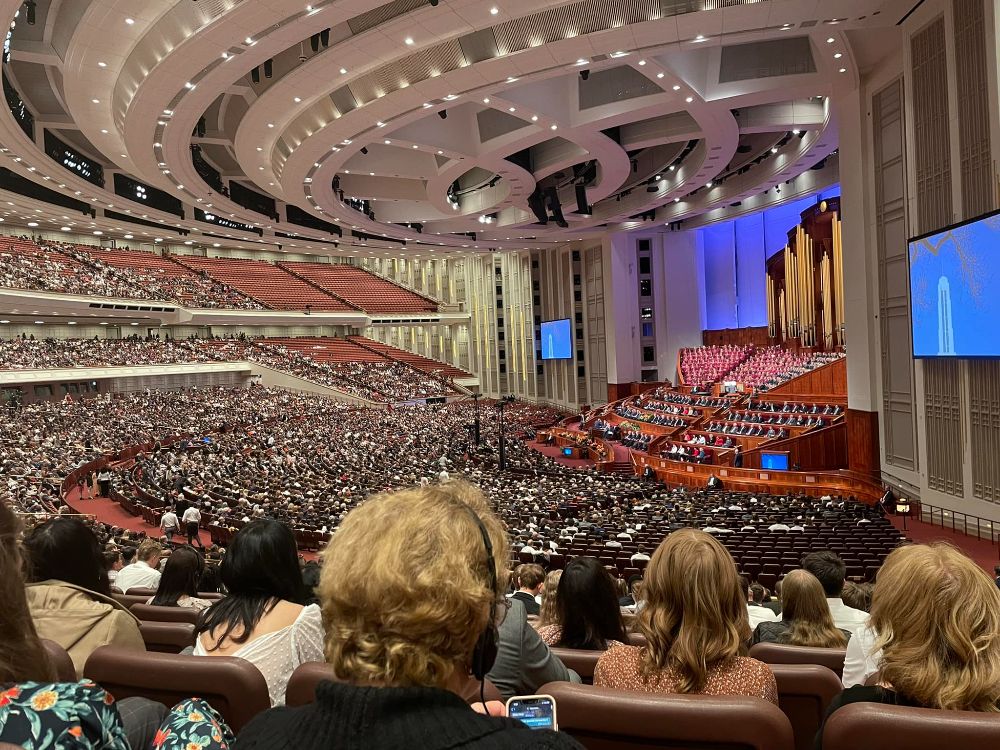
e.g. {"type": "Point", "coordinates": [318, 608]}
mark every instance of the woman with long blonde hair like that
{"type": "Point", "coordinates": [937, 618]}
{"type": "Point", "coordinates": [805, 616]}
{"type": "Point", "coordinates": [696, 627]}
{"type": "Point", "coordinates": [549, 613]}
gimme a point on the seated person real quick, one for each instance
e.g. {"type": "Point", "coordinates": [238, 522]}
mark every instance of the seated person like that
{"type": "Point", "coordinates": [587, 609]}
{"type": "Point", "coordinates": [937, 619]}
{"type": "Point", "coordinates": [805, 616]}
{"type": "Point", "coordinates": [262, 619]}
{"type": "Point", "coordinates": [695, 624]}
{"type": "Point", "coordinates": [179, 583]}
{"type": "Point", "coordinates": [144, 572]}
{"type": "Point", "coordinates": [411, 582]}
{"type": "Point", "coordinates": [69, 596]}
{"type": "Point", "coordinates": [529, 579]}
{"type": "Point", "coordinates": [36, 712]}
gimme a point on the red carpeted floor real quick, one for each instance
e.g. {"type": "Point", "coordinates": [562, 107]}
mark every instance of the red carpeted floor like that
{"type": "Point", "coordinates": [112, 513]}
{"type": "Point", "coordinates": [985, 554]}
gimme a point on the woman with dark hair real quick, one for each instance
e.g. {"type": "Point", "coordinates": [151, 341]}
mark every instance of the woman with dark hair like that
{"type": "Point", "coordinates": [588, 615]}
{"type": "Point", "coordinates": [262, 619]}
{"type": "Point", "coordinates": [69, 594]}
{"type": "Point", "coordinates": [179, 582]}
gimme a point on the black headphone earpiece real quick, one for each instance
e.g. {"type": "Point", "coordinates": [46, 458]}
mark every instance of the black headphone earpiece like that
{"type": "Point", "coordinates": [484, 655]}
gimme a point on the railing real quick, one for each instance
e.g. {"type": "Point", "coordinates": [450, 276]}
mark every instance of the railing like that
{"type": "Point", "coordinates": [959, 522]}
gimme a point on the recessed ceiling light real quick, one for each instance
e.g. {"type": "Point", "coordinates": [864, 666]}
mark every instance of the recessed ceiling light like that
{"type": "Point", "coordinates": [534, 118]}
{"type": "Point", "coordinates": [774, 150]}
{"type": "Point", "coordinates": [415, 146]}
{"type": "Point", "coordinates": [659, 75]}
{"type": "Point", "coordinates": [843, 70]}
{"type": "Point", "coordinates": [554, 127]}
{"type": "Point", "coordinates": [838, 55]}
{"type": "Point", "coordinates": [409, 40]}
{"type": "Point", "coordinates": [260, 148]}
{"type": "Point", "coordinates": [297, 99]}
{"type": "Point", "coordinates": [103, 130]}
{"type": "Point", "coordinates": [270, 124]}
{"type": "Point", "coordinates": [96, 101]}
{"type": "Point", "coordinates": [700, 38]}
{"type": "Point", "coordinates": [582, 61]}
{"type": "Point", "coordinates": [102, 64]}
{"type": "Point", "coordinates": [248, 40]}
{"type": "Point", "coordinates": [511, 109]}
{"type": "Point", "coordinates": [486, 100]}
{"type": "Point", "coordinates": [388, 142]}
{"type": "Point", "coordinates": [689, 99]}
{"type": "Point", "coordinates": [343, 71]}
{"type": "Point", "coordinates": [98, 232]}
{"type": "Point", "coordinates": [494, 10]}
{"type": "Point", "coordinates": [831, 40]}
{"type": "Point", "coordinates": [642, 62]}
{"type": "Point", "coordinates": [130, 21]}
{"type": "Point", "coordinates": [677, 87]}
{"type": "Point", "coordinates": [128, 236]}
{"type": "Point", "coordinates": [32, 223]}
{"type": "Point", "coordinates": [440, 152]}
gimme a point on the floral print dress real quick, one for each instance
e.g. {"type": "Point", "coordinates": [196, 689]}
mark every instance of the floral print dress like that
{"type": "Point", "coordinates": [82, 716]}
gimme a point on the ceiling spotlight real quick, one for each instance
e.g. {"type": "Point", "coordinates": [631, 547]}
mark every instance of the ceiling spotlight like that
{"type": "Point", "coordinates": [585, 74]}
{"type": "Point", "coordinates": [796, 131]}
{"type": "Point", "coordinates": [534, 118]}
{"type": "Point", "coordinates": [388, 142]}
{"type": "Point", "coordinates": [409, 40]}
{"type": "Point", "coordinates": [343, 71]}
{"type": "Point", "coordinates": [297, 99]}
{"type": "Point", "coordinates": [831, 40]}
{"type": "Point", "coordinates": [677, 87]}
{"type": "Point", "coordinates": [838, 55]}
{"type": "Point", "coordinates": [364, 150]}
{"type": "Point", "coordinates": [843, 70]}
{"type": "Point", "coordinates": [689, 99]}
{"type": "Point", "coordinates": [774, 150]}
{"type": "Point", "coordinates": [642, 62]}
{"type": "Point", "coordinates": [130, 21]}
{"type": "Point", "coordinates": [494, 10]}
{"type": "Point", "coordinates": [700, 38]}
{"type": "Point", "coordinates": [443, 114]}
{"type": "Point", "coordinates": [553, 127]}
{"type": "Point", "coordinates": [102, 64]}
{"type": "Point", "coordinates": [659, 75]}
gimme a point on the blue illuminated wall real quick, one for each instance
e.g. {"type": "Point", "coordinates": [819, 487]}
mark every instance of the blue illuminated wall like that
{"type": "Point", "coordinates": [735, 253]}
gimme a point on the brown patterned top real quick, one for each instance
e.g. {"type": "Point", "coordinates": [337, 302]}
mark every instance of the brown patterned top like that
{"type": "Point", "coordinates": [552, 634]}
{"type": "Point", "coordinates": [619, 668]}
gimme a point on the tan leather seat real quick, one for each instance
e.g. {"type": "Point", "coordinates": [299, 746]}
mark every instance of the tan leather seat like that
{"type": "Point", "coordinates": [804, 693]}
{"type": "Point", "coordinates": [307, 676]}
{"type": "Point", "coordinates": [153, 613]}
{"type": "Point", "coordinates": [606, 719]}
{"type": "Point", "coordinates": [167, 637]}
{"type": "Point", "coordinates": [580, 661]}
{"type": "Point", "coordinates": [777, 653]}
{"type": "Point", "coordinates": [875, 726]}
{"type": "Point", "coordinates": [60, 660]}
{"type": "Point", "coordinates": [232, 686]}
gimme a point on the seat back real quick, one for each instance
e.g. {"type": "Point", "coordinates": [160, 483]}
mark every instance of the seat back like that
{"type": "Point", "coordinates": [606, 719]}
{"type": "Point", "coordinates": [167, 637]}
{"type": "Point", "coordinates": [232, 686]}
{"type": "Point", "coordinates": [153, 613]}
{"type": "Point", "coordinates": [308, 675]}
{"type": "Point", "coordinates": [60, 660]}
{"type": "Point", "coordinates": [876, 726]}
{"type": "Point", "coordinates": [777, 653]}
{"type": "Point", "coordinates": [580, 661]}
{"type": "Point", "coordinates": [804, 693]}
{"type": "Point", "coordinates": [128, 600]}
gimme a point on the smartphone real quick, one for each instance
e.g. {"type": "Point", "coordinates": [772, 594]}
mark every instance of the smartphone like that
{"type": "Point", "coordinates": [534, 711]}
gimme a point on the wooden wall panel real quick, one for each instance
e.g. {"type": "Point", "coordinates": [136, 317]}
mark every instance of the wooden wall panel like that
{"type": "Point", "coordinates": [828, 380]}
{"type": "Point", "coordinates": [820, 450]}
{"type": "Point", "coordinates": [862, 441]}
{"type": "Point", "coordinates": [736, 337]}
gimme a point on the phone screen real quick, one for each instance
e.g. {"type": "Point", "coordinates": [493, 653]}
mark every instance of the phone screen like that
{"type": "Point", "coordinates": [535, 713]}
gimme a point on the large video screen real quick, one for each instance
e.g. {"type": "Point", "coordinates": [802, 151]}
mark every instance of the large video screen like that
{"type": "Point", "coordinates": [774, 461]}
{"type": "Point", "coordinates": [955, 290]}
{"type": "Point", "coordinates": [557, 339]}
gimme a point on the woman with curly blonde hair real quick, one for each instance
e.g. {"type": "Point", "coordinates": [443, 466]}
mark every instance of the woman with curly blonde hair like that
{"type": "Point", "coordinates": [410, 581]}
{"type": "Point", "coordinates": [937, 616]}
{"type": "Point", "coordinates": [696, 627]}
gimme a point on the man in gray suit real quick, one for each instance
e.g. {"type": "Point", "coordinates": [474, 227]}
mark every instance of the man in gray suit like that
{"type": "Point", "coordinates": [524, 663]}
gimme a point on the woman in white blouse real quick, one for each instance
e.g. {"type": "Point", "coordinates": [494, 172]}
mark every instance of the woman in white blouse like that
{"type": "Point", "coordinates": [262, 619]}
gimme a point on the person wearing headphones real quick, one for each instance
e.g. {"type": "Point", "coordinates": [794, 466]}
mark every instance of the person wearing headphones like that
{"type": "Point", "coordinates": [412, 593]}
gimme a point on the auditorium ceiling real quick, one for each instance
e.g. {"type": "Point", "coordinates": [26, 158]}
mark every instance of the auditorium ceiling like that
{"type": "Point", "coordinates": [439, 126]}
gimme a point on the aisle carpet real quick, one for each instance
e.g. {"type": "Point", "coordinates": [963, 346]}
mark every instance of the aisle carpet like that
{"type": "Point", "coordinates": [985, 554]}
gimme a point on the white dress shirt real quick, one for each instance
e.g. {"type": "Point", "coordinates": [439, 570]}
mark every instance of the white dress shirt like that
{"type": "Point", "coordinates": [192, 515]}
{"type": "Point", "coordinates": [861, 661]}
{"type": "Point", "coordinates": [846, 617]}
{"type": "Point", "coordinates": [760, 614]}
{"type": "Point", "coordinates": [137, 575]}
